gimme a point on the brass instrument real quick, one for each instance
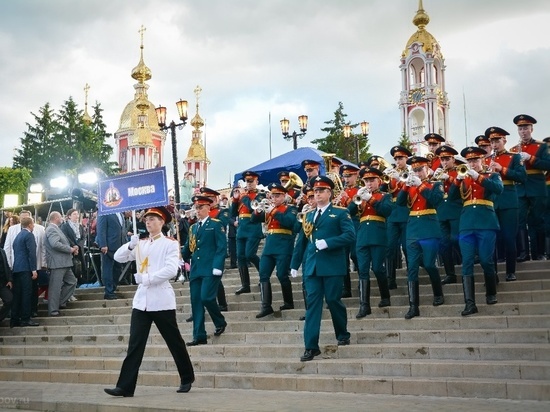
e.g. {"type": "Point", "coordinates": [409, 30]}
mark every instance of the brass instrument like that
{"type": "Point", "coordinates": [384, 164]}
{"type": "Point", "coordinates": [493, 157]}
{"type": "Point", "coordinates": [439, 172]}
{"type": "Point", "coordinates": [338, 186]}
{"type": "Point", "coordinates": [295, 181]}
{"type": "Point", "coordinates": [237, 191]}
{"type": "Point", "coordinates": [300, 216]}
{"type": "Point", "coordinates": [191, 213]}
{"type": "Point", "coordinates": [261, 206]}
{"type": "Point", "coordinates": [405, 176]}
{"type": "Point", "coordinates": [462, 170]}
{"type": "Point", "coordinates": [358, 198]}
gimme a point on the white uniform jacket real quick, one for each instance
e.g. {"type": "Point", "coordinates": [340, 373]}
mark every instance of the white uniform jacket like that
{"type": "Point", "coordinates": [157, 262]}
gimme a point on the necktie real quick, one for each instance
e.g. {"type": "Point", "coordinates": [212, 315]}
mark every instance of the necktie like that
{"type": "Point", "coordinates": [318, 216]}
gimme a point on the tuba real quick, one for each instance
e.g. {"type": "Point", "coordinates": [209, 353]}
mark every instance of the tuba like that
{"type": "Point", "coordinates": [295, 181]}
{"type": "Point", "coordinates": [338, 186]}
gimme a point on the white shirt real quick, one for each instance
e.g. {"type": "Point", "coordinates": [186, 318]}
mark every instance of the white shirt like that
{"type": "Point", "coordinates": [39, 233]}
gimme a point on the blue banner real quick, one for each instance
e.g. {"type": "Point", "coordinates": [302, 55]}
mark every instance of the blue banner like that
{"type": "Point", "coordinates": [133, 191]}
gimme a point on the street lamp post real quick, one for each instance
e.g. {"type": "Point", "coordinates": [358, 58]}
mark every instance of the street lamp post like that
{"type": "Point", "coordinates": [364, 132]}
{"type": "Point", "coordinates": [161, 117]}
{"type": "Point", "coordinates": [285, 123]}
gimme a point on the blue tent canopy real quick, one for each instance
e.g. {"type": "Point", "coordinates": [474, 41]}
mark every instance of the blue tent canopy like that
{"type": "Point", "coordinates": [290, 161]}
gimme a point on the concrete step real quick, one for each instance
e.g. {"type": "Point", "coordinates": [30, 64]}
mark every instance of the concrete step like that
{"type": "Point", "coordinates": [326, 365]}
{"type": "Point", "coordinates": [396, 385]}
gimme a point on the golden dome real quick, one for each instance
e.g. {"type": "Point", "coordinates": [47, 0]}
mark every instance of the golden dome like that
{"type": "Point", "coordinates": [421, 20]}
{"type": "Point", "coordinates": [197, 121]}
{"type": "Point", "coordinates": [141, 72]}
{"type": "Point", "coordinates": [129, 117]}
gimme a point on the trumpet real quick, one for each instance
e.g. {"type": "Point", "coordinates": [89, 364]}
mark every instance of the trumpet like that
{"type": "Point", "coordinates": [493, 157]}
{"type": "Point", "coordinates": [300, 216]}
{"type": "Point", "coordinates": [358, 198]}
{"type": "Point", "coordinates": [191, 213]}
{"type": "Point", "coordinates": [439, 172]}
{"type": "Point", "coordinates": [261, 206]}
{"type": "Point", "coordinates": [462, 170]}
{"type": "Point", "coordinates": [404, 176]}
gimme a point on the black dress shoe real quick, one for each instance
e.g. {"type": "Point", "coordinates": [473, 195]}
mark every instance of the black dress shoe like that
{"type": "Point", "coordinates": [449, 279]}
{"type": "Point", "coordinates": [309, 354]}
{"type": "Point", "coordinates": [111, 297]}
{"type": "Point", "coordinates": [197, 342]}
{"type": "Point", "coordinates": [491, 299]}
{"type": "Point", "coordinates": [30, 323]}
{"type": "Point", "coordinates": [118, 392]}
{"type": "Point", "coordinates": [510, 277]}
{"type": "Point", "coordinates": [223, 308]}
{"type": "Point", "coordinates": [343, 342]}
{"type": "Point", "coordinates": [184, 388]}
{"type": "Point", "coordinates": [438, 300]}
{"type": "Point", "coordinates": [219, 331]}
{"type": "Point", "coordinates": [189, 319]}
{"type": "Point", "coordinates": [242, 289]}
{"type": "Point", "coordinates": [302, 317]}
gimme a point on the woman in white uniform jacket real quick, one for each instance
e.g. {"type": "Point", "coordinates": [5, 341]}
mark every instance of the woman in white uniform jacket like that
{"type": "Point", "coordinates": [157, 260]}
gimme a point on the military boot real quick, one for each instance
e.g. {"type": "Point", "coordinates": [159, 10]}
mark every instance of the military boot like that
{"type": "Point", "coordinates": [265, 294]}
{"type": "Point", "coordinates": [288, 299]}
{"type": "Point", "coordinates": [414, 297]}
{"type": "Point", "coordinates": [364, 299]}
{"type": "Point", "coordinates": [468, 286]}
{"type": "Point", "coordinates": [245, 280]}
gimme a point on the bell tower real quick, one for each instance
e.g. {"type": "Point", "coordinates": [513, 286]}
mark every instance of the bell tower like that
{"type": "Point", "coordinates": [423, 103]}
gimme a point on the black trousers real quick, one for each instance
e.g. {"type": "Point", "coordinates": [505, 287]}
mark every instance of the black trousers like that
{"type": "Point", "coordinates": [22, 297]}
{"type": "Point", "coordinates": [6, 296]}
{"type": "Point", "coordinates": [140, 325]}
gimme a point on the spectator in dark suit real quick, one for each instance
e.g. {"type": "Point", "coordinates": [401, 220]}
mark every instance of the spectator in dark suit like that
{"type": "Point", "coordinates": [75, 234]}
{"type": "Point", "coordinates": [6, 285]}
{"type": "Point", "coordinates": [24, 272]}
{"type": "Point", "coordinates": [111, 235]}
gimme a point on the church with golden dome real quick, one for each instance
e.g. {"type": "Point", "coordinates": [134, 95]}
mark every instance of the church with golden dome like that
{"type": "Point", "coordinates": [140, 141]}
{"type": "Point", "coordinates": [423, 103]}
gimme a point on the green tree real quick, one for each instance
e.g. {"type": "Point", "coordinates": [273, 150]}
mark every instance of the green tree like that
{"type": "Point", "coordinates": [63, 142]}
{"type": "Point", "coordinates": [405, 142]}
{"type": "Point", "coordinates": [14, 181]}
{"type": "Point", "coordinates": [335, 141]}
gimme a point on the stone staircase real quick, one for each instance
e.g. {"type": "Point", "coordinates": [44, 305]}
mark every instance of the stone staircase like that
{"type": "Point", "coordinates": [502, 352]}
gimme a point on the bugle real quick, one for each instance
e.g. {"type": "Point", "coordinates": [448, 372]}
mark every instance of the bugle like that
{"type": "Point", "coordinates": [358, 198]}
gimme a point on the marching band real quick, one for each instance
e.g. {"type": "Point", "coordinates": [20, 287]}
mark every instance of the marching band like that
{"type": "Point", "coordinates": [488, 204]}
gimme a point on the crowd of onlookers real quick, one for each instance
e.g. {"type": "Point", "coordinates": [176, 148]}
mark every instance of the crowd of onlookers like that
{"type": "Point", "coordinates": [40, 261]}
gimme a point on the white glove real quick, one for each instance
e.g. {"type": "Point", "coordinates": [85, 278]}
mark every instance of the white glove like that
{"type": "Point", "coordinates": [525, 156]}
{"type": "Point", "coordinates": [268, 209]}
{"type": "Point", "coordinates": [366, 196]}
{"type": "Point", "coordinates": [216, 272]}
{"type": "Point", "coordinates": [139, 278]}
{"type": "Point", "coordinates": [473, 173]}
{"type": "Point", "coordinates": [394, 174]}
{"type": "Point", "coordinates": [413, 181]}
{"type": "Point", "coordinates": [293, 273]}
{"type": "Point", "coordinates": [134, 240]}
{"type": "Point", "coordinates": [443, 176]}
{"type": "Point", "coordinates": [460, 177]}
{"type": "Point", "coordinates": [321, 244]}
{"type": "Point", "coordinates": [437, 171]}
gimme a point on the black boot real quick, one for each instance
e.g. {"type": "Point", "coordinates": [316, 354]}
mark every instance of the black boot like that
{"type": "Point", "coordinates": [449, 279]}
{"type": "Point", "coordinates": [288, 299]}
{"type": "Point", "coordinates": [364, 298]}
{"type": "Point", "coordinates": [414, 296]}
{"type": "Point", "coordinates": [346, 292]}
{"type": "Point", "coordinates": [265, 294]}
{"type": "Point", "coordinates": [222, 301]}
{"type": "Point", "coordinates": [438, 292]}
{"type": "Point", "coordinates": [523, 246]}
{"type": "Point", "coordinates": [384, 293]}
{"type": "Point", "coordinates": [468, 285]}
{"type": "Point", "coordinates": [245, 280]}
{"type": "Point", "coordinates": [491, 290]}
{"type": "Point", "coordinates": [390, 264]}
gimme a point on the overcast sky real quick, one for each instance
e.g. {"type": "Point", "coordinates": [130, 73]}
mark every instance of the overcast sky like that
{"type": "Point", "coordinates": [284, 57]}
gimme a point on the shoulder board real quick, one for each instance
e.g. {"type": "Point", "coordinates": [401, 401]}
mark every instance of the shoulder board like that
{"type": "Point", "coordinates": [214, 219]}
{"type": "Point", "coordinates": [171, 238]}
{"type": "Point", "coordinates": [340, 207]}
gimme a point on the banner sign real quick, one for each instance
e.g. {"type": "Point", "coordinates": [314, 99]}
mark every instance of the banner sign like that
{"type": "Point", "coordinates": [133, 191]}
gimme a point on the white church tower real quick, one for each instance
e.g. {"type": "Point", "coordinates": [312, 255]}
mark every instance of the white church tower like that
{"type": "Point", "coordinates": [424, 105]}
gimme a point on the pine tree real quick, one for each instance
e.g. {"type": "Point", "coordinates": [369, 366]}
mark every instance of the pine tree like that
{"type": "Point", "coordinates": [405, 142]}
{"type": "Point", "coordinates": [335, 141]}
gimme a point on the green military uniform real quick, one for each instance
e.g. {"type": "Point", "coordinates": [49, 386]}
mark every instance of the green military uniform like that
{"type": "Point", "coordinates": [506, 204]}
{"type": "Point", "coordinates": [279, 244]}
{"type": "Point", "coordinates": [478, 227]}
{"type": "Point", "coordinates": [323, 270]}
{"type": "Point", "coordinates": [371, 243]}
{"type": "Point", "coordinates": [207, 247]}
